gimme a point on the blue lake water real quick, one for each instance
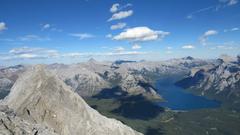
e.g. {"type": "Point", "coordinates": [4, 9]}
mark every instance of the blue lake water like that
{"type": "Point", "coordinates": [178, 99]}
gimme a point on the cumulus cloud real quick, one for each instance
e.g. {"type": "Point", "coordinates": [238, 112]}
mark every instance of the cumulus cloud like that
{"type": "Point", "coordinates": [114, 8]}
{"type": "Point", "coordinates": [33, 37]}
{"type": "Point", "coordinates": [204, 37]}
{"type": "Point", "coordinates": [121, 15]}
{"type": "Point", "coordinates": [188, 47]}
{"type": "Point", "coordinates": [2, 26]}
{"type": "Point", "coordinates": [118, 26]}
{"type": "Point", "coordinates": [136, 46]}
{"type": "Point", "coordinates": [82, 36]}
{"type": "Point", "coordinates": [141, 34]}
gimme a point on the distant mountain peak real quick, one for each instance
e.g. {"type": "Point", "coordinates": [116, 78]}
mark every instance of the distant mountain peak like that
{"type": "Point", "coordinates": [188, 58]}
{"type": "Point", "coordinates": [123, 61]}
{"type": "Point", "coordinates": [92, 60]}
{"type": "Point", "coordinates": [227, 58]}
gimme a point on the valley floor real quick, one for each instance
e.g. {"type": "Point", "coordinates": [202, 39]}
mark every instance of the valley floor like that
{"type": "Point", "coordinates": [218, 121]}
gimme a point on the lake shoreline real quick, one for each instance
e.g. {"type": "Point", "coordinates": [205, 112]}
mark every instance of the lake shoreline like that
{"type": "Point", "coordinates": [178, 99]}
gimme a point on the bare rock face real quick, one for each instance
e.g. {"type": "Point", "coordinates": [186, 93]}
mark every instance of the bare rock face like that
{"type": "Point", "coordinates": [222, 79]}
{"type": "Point", "coordinates": [10, 124]}
{"type": "Point", "coordinates": [40, 97]}
{"type": "Point", "coordinates": [8, 76]}
{"type": "Point", "coordinates": [81, 78]}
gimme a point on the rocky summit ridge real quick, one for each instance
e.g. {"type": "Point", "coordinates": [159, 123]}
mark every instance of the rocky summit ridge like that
{"type": "Point", "coordinates": [40, 97]}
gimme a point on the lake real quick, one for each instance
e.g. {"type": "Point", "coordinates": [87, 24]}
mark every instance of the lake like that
{"type": "Point", "coordinates": [178, 99]}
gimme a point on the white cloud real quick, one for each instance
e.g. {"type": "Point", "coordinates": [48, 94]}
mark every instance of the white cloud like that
{"type": "Point", "coordinates": [204, 37]}
{"type": "Point", "coordinates": [119, 49]}
{"type": "Point", "coordinates": [191, 15]}
{"type": "Point", "coordinates": [230, 30]}
{"type": "Point", "coordinates": [169, 48]}
{"type": "Point", "coordinates": [28, 56]}
{"type": "Point", "coordinates": [141, 34]}
{"type": "Point", "coordinates": [33, 37]}
{"type": "Point", "coordinates": [188, 47]}
{"type": "Point", "coordinates": [23, 50]}
{"type": "Point", "coordinates": [74, 54]}
{"type": "Point", "coordinates": [210, 33]}
{"type": "Point", "coordinates": [124, 53]}
{"type": "Point", "coordinates": [232, 2]}
{"type": "Point", "coordinates": [220, 5]}
{"type": "Point", "coordinates": [114, 8]}
{"type": "Point", "coordinates": [223, 47]}
{"type": "Point", "coordinates": [50, 27]}
{"type": "Point", "coordinates": [229, 2]}
{"type": "Point", "coordinates": [235, 29]}
{"type": "Point", "coordinates": [136, 46]}
{"type": "Point", "coordinates": [82, 35]}
{"type": "Point", "coordinates": [31, 53]}
{"type": "Point", "coordinates": [46, 26]}
{"type": "Point", "coordinates": [115, 53]}
{"type": "Point", "coordinates": [121, 15]}
{"type": "Point", "coordinates": [118, 26]}
{"type": "Point", "coordinates": [2, 26]}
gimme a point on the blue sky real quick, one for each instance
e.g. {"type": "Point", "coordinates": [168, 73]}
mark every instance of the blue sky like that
{"type": "Point", "coordinates": [71, 31]}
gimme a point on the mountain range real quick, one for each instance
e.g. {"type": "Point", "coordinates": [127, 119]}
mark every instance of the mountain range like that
{"type": "Point", "coordinates": [221, 80]}
{"type": "Point", "coordinates": [47, 99]}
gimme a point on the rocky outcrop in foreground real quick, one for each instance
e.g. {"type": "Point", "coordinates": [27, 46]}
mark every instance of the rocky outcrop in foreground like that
{"type": "Point", "coordinates": [38, 96]}
{"type": "Point", "coordinates": [10, 124]}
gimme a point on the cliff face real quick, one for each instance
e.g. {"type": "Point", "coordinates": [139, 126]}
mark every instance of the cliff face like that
{"type": "Point", "coordinates": [40, 97]}
{"type": "Point", "coordinates": [8, 76]}
{"type": "Point", "coordinates": [222, 79]}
